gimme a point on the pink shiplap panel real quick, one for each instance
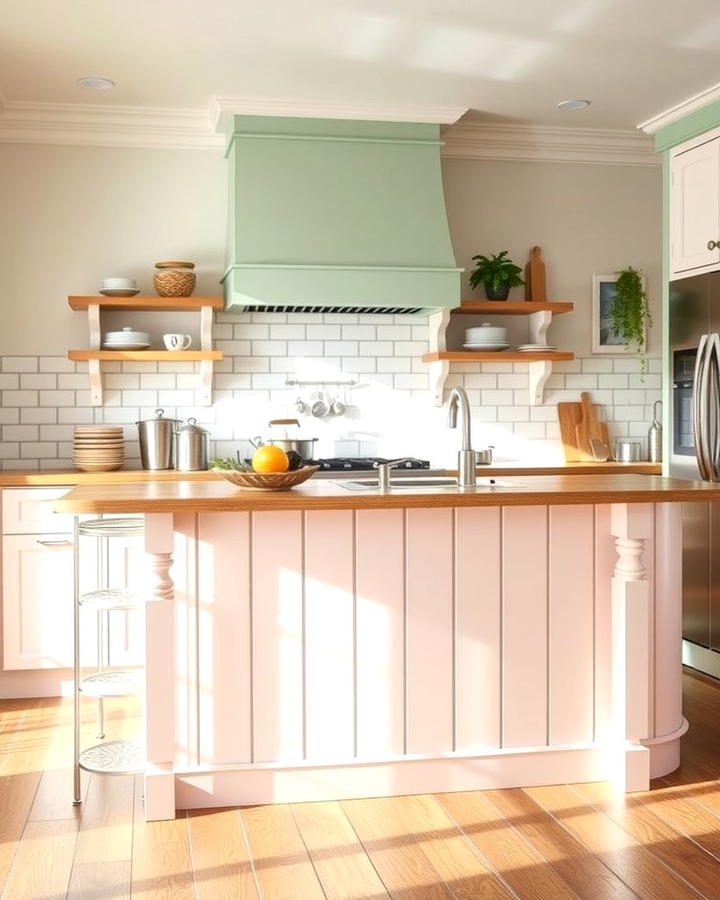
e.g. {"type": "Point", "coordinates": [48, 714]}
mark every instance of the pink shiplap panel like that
{"type": "Point", "coordinates": [277, 626]}
{"type": "Point", "coordinates": [477, 628]}
{"type": "Point", "coordinates": [329, 635]}
{"type": "Point", "coordinates": [572, 625]}
{"type": "Point", "coordinates": [605, 559]}
{"type": "Point", "coordinates": [524, 672]}
{"type": "Point", "coordinates": [429, 573]}
{"type": "Point", "coordinates": [186, 685]}
{"type": "Point", "coordinates": [224, 637]}
{"type": "Point", "coordinates": [380, 651]}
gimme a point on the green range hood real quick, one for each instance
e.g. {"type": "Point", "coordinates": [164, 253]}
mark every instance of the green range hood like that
{"type": "Point", "coordinates": [333, 215]}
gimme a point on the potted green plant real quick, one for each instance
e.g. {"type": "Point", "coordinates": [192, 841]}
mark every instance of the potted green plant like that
{"type": "Point", "coordinates": [630, 313]}
{"type": "Point", "coordinates": [497, 273]}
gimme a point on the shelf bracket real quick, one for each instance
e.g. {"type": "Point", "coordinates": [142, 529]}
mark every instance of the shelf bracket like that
{"type": "Point", "coordinates": [538, 372]}
{"type": "Point", "coordinates": [205, 389]}
{"type": "Point", "coordinates": [96, 385]}
{"type": "Point", "coordinates": [439, 370]}
{"type": "Point", "coordinates": [437, 340]}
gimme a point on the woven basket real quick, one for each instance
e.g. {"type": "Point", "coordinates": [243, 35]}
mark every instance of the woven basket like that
{"type": "Point", "coordinates": [171, 283]}
{"type": "Point", "coordinates": [270, 481]}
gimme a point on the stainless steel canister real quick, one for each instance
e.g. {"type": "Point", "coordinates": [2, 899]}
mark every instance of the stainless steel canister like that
{"type": "Point", "coordinates": [192, 447]}
{"type": "Point", "coordinates": [157, 442]}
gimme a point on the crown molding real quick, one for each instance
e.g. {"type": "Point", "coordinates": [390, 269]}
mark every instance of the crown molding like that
{"type": "Point", "coordinates": [223, 107]}
{"type": "Point", "coordinates": [680, 110]}
{"type": "Point", "coordinates": [549, 143]}
{"type": "Point", "coordinates": [106, 126]}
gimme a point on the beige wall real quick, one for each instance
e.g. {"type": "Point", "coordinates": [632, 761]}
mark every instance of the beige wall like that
{"type": "Point", "coordinates": [72, 215]}
{"type": "Point", "coordinates": [587, 219]}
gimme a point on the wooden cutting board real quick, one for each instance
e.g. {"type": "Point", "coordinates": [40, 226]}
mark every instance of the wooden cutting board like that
{"type": "Point", "coordinates": [535, 277]}
{"type": "Point", "coordinates": [579, 424]}
{"type": "Point", "coordinates": [590, 428]}
{"type": "Point", "coordinates": [569, 417]}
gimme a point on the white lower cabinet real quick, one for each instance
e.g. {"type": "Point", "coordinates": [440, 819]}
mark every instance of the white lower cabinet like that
{"type": "Point", "coordinates": [37, 589]}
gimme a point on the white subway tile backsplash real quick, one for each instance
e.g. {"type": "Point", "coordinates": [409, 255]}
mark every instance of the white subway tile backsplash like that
{"type": "Point", "coordinates": [294, 332]}
{"type": "Point", "coordinates": [139, 398]}
{"type": "Point", "coordinates": [56, 364]}
{"type": "Point", "coordinates": [340, 318]}
{"type": "Point", "coordinates": [38, 450]}
{"type": "Point", "coordinates": [118, 380]}
{"type": "Point", "coordinates": [376, 348]}
{"type": "Point", "coordinates": [580, 382]}
{"type": "Point", "coordinates": [612, 381]}
{"type": "Point", "coordinates": [9, 382]}
{"type": "Point", "coordinates": [76, 415]}
{"type": "Point", "coordinates": [250, 331]}
{"type": "Point", "coordinates": [305, 348]}
{"type": "Point", "coordinates": [410, 348]}
{"type": "Point", "coordinates": [20, 432]}
{"type": "Point", "coordinates": [263, 317]}
{"type": "Point", "coordinates": [57, 398]}
{"type": "Point", "coordinates": [34, 415]}
{"type": "Point", "coordinates": [341, 348]}
{"type": "Point", "coordinates": [158, 380]}
{"type": "Point", "coordinates": [629, 413]}
{"type": "Point", "coordinates": [530, 430]}
{"type": "Point", "coordinates": [513, 414]}
{"type": "Point", "coordinates": [251, 364]}
{"type": "Point", "coordinates": [358, 332]}
{"type": "Point", "coordinates": [19, 364]}
{"type": "Point", "coordinates": [597, 365]}
{"type": "Point", "coordinates": [394, 364]}
{"type": "Point", "coordinates": [323, 332]}
{"type": "Point", "coordinates": [407, 382]}
{"type": "Point", "coordinates": [497, 398]}
{"type": "Point", "coordinates": [234, 348]}
{"type": "Point", "coordinates": [66, 382]}
{"type": "Point", "coordinates": [485, 381]}
{"type": "Point", "coordinates": [175, 398]}
{"type": "Point", "coordinates": [223, 331]}
{"type": "Point", "coordinates": [19, 398]}
{"type": "Point", "coordinates": [630, 365]}
{"type": "Point", "coordinates": [56, 433]}
{"type": "Point", "coordinates": [360, 365]}
{"type": "Point", "coordinates": [394, 333]}
{"type": "Point", "coordinates": [512, 381]}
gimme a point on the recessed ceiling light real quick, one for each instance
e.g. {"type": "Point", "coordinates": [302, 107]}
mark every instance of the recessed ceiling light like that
{"type": "Point", "coordinates": [96, 83]}
{"type": "Point", "coordinates": [573, 104]}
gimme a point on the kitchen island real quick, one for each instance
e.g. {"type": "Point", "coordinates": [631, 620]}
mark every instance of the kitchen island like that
{"type": "Point", "coordinates": [323, 643]}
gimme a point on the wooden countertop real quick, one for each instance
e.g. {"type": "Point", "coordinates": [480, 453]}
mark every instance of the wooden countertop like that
{"type": "Point", "coordinates": [50, 477]}
{"type": "Point", "coordinates": [216, 496]}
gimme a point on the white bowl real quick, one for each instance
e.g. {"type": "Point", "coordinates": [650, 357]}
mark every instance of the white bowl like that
{"type": "Point", "coordinates": [127, 336]}
{"type": "Point", "coordinates": [127, 283]}
{"type": "Point", "coordinates": [485, 332]}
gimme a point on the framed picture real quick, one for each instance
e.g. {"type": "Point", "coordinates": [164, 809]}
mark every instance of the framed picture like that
{"type": "Point", "coordinates": [604, 340]}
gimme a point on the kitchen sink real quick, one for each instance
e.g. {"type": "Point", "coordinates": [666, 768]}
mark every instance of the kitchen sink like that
{"type": "Point", "coordinates": [403, 483]}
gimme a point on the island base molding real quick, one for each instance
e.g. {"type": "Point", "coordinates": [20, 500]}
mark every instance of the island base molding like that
{"type": "Point", "coordinates": [261, 784]}
{"type": "Point", "coordinates": [421, 650]}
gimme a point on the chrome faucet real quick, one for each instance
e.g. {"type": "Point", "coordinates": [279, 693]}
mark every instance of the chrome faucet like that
{"type": "Point", "coordinates": [466, 455]}
{"type": "Point", "coordinates": [384, 470]}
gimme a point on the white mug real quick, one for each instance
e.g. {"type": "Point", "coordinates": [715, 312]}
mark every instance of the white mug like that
{"type": "Point", "coordinates": [177, 341]}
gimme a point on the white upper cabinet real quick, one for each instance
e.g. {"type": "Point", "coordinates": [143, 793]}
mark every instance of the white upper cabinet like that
{"type": "Point", "coordinates": [695, 208]}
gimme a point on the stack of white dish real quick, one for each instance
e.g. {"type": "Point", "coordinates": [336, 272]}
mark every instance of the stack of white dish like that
{"type": "Point", "coordinates": [486, 337]}
{"type": "Point", "coordinates": [535, 348]}
{"type": "Point", "coordinates": [119, 287]}
{"type": "Point", "coordinates": [127, 339]}
{"type": "Point", "coordinates": [98, 448]}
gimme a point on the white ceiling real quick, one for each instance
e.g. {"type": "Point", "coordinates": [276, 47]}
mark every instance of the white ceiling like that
{"type": "Point", "coordinates": [509, 60]}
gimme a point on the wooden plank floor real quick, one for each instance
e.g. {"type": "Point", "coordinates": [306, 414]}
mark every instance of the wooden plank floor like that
{"type": "Point", "coordinates": [564, 841]}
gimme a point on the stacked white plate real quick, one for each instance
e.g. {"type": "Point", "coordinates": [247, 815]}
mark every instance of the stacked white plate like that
{"type": "Point", "coordinates": [119, 287]}
{"type": "Point", "coordinates": [486, 337]}
{"type": "Point", "coordinates": [98, 448]}
{"type": "Point", "coordinates": [127, 339]}
{"type": "Point", "coordinates": [535, 348]}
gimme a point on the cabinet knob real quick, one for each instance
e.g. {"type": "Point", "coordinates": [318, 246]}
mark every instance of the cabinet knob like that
{"type": "Point", "coordinates": [713, 245]}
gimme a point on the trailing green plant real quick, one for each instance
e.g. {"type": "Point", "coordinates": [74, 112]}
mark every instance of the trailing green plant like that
{"type": "Point", "coordinates": [630, 313]}
{"type": "Point", "coordinates": [495, 272]}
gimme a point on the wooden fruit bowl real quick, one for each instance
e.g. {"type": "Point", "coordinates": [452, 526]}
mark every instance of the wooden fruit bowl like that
{"type": "Point", "coordinates": [270, 481]}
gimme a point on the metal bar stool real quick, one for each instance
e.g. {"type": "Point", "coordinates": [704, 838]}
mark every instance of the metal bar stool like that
{"type": "Point", "coordinates": [109, 757]}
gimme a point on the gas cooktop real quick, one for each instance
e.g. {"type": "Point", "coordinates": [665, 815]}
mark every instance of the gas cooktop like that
{"type": "Point", "coordinates": [362, 464]}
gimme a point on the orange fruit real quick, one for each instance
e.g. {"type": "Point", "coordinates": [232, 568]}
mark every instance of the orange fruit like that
{"type": "Point", "coordinates": [269, 458]}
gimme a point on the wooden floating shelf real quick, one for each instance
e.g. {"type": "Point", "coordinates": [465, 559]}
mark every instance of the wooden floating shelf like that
{"type": "Point", "coordinates": [511, 307]}
{"type": "Point", "coordinates": [145, 355]}
{"type": "Point", "coordinates": [501, 356]}
{"type": "Point", "coordinates": [147, 304]}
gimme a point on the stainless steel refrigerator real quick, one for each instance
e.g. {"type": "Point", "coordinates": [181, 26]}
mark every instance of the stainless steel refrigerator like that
{"type": "Point", "coordinates": [695, 454]}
